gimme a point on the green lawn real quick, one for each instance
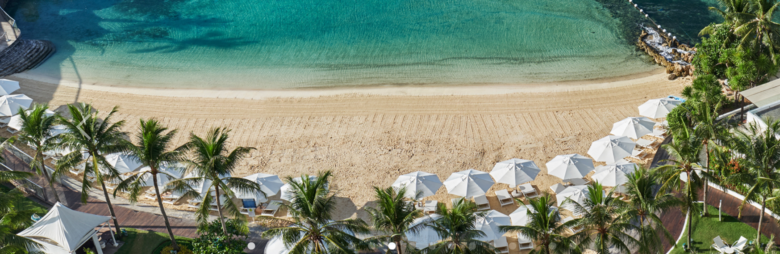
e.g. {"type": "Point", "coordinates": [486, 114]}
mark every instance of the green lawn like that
{"type": "Point", "coordinates": [705, 229]}
{"type": "Point", "coordinates": [140, 241]}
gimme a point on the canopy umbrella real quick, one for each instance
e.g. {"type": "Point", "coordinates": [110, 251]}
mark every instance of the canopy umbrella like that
{"type": "Point", "coordinates": [269, 184]}
{"type": "Point", "coordinates": [162, 179]}
{"type": "Point", "coordinates": [123, 163]}
{"type": "Point", "coordinates": [468, 183]}
{"type": "Point", "coordinates": [287, 189]}
{"type": "Point", "coordinates": [489, 225]}
{"type": "Point", "coordinates": [425, 183]}
{"type": "Point", "coordinates": [515, 172]}
{"type": "Point", "coordinates": [658, 108]}
{"type": "Point", "coordinates": [8, 86]}
{"type": "Point", "coordinates": [633, 127]}
{"type": "Point", "coordinates": [426, 236]}
{"type": "Point", "coordinates": [10, 104]}
{"type": "Point", "coordinates": [520, 217]}
{"type": "Point", "coordinates": [576, 193]}
{"type": "Point", "coordinates": [570, 166]}
{"type": "Point", "coordinates": [16, 121]}
{"type": "Point", "coordinates": [611, 148]}
{"type": "Point", "coordinates": [614, 174]}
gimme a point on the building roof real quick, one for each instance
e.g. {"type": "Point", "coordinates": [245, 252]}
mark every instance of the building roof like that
{"type": "Point", "coordinates": [764, 94]}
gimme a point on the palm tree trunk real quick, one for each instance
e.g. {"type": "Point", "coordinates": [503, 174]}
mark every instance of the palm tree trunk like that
{"type": "Point", "coordinates": [706, 150]}
{"type": "Point", "coordinates": [46, 174]}
{"type": "Point", "coordinates": [219, 209]}
{"type": "Point", "coordinates": [162, 210]}
{"type": "Point", "coordinates": [690, 225]}
{"type": "Point", "coordinates": [760, 219]}
{"type": "Point", "coordinates": [398, 246]}
{"type": "Point", "coordinates": [105, 194]}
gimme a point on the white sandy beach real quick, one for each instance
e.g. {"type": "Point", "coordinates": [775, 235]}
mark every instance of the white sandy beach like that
{"type": "Point", "coordinates": [370, 136]}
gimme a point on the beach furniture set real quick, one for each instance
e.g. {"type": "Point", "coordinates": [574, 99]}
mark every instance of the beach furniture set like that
{"type": "Point", "coordinates": [736, 247]}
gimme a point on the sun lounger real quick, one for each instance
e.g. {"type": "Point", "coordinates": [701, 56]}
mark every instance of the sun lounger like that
{"type": "Point", "coordinates": [557, 188]}
{"type": "Point", "coordinates": [638, 154]}
{"type": "Point", "coordinates": [501, 245]}
{"type": "Point", "coordinates": [271, 208]}
{"type": "Point", "coordinates": [504, 198]}
{"type": "Point", "coordinates": [645, 143]}
{"type": "Point", "coordinates": [577, 181]}
{"type": "Point", "coordinates": [575, 229]}
{"type": "Point", "coordinates": [740, 244]}
{"type": "Point", "coordinates": [482, 203]}
{"type": "Point", "coordinates": [525, 243]}
{"type": "Point", "coordinates": [527, 190]}
{"type": "Point", "coordinates": [720, 246]}
{"type": "Point", "coordinates": [659, 133]}
{"type": "Point", "coordinates": [430, 206]}
{"type": "Point", "coordinates": [195, 202]}
{"type": "Point", "coordinates": [12, 130]}
{"type": "Point", "coordinates": [171, 198]}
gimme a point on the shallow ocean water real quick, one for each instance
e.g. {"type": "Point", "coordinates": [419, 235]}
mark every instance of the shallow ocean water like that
{"type": "Point", "coordinates": [274, 44]}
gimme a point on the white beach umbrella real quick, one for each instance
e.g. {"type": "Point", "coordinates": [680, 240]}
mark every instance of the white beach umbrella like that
{"type": "Point", "coordinates": [657, 108]}
{"type": "Point", "coordinates": [633, 127]}
{"type": "Point", "coordinates": [16, 121]}
{"type": "Point", "coordinates": [58, 129]}
{"type": "Point", "coordinates": [468, 183]}
{"type": "Point", "coordinates": [489, 224]}
{"type": "Point", "coordinates": [269, 184]}
{"type": "Point", "coordinates": [287, 189]}
{"type": "Point", "coordinates": [520, 215]}
{"type": "Point", "coordinates": [515, 172]}
{"type": "Point", "coordinates": [577, 194]}
{"type": "Point", "coordinates": [426, 236]}
{"type": "Point", "coordinates": [614, 174]}
{"type": "Point", "coordinates": [165, 175]}
{"type": "Point", "coordinates": [570, 166]}
{"type": "Point", "coordinates": [123, 163]}
{"type": "Point", "coordinates": [425, 183]}
{"type": "Point", "coordinates": [611, 148]}
{"type": "Point", "coordinates": [8, 86]}
{"type": "Point", "coordinates": [10, 104]}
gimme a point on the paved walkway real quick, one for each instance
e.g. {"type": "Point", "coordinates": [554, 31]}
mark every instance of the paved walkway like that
{"type": "Point", "coordinates": [674, 219]}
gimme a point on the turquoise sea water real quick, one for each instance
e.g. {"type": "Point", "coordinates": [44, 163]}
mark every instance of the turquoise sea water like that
{"type": "Point", "coordinates": [271, 44]}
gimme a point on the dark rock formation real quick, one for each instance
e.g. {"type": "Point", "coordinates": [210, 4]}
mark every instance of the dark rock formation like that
{"type": "Point", "coordinates": [23, 55]}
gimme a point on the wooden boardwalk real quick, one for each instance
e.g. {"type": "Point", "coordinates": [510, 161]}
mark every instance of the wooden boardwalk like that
{"type": "Point", "coordinates": [674, 219]}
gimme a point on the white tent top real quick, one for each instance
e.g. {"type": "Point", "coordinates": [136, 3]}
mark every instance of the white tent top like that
{"type": "Point", "coordinates": [468, 183]}
{"type": "Point", "coordinates": [16, 121]}
{"type": "Point", "coordinates": [611, 148]}
{"type": "Point", "coordinates": [8, 86]}
{"type": "Point", "coordinates": [515, 172]}
{"type": "Point", "coordinates": [10, 104]}
{"type": "Point", "coordinates": [489, 224]}
{"type": "Point", "coordinates": [614, 174]}
{"type": "Point", "coordinates": [425, 183]}
{"type": "Point", "coordinates": [162, 178]}
{"type": "Point", "coordinates": [46, 247]}
{"type": "Point", "coordinates": [575, 193]}
{"type": "Point", "coordinates": [570, 166]}
{"type": "Point", "coordinates": [427, 235]}
{"type": "Point", "coordinates": [123, 163]}
{"type": "Point", "coordinates": [633, 127]}
{"type": "Point", "coordinates": [64, 227]}
{"type": "Point", "coordinates": [658, 108]}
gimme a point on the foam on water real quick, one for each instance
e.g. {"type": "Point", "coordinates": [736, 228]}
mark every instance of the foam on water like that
{"type": "Point", "coordinates": [273, 44]}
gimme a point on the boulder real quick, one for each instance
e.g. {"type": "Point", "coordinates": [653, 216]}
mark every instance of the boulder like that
{"type": "Point", "coordinates": [672, 76]}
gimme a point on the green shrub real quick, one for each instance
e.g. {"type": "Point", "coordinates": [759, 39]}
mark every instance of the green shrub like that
{"type": "Point", "coordinates": [182, 250]}
{"type": "Point", "coordinates": [213, 241]}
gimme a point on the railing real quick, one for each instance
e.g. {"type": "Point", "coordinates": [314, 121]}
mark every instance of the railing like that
{"type": "Point", "coordinates": [11, 21]}
{"type": "Point", "coordinates": [27, 186]}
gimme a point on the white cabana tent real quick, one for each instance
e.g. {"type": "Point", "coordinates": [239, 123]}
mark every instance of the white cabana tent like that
{"type": "Point", "coordinates": [515, 172]}
{"type": "Point", "coordinates": [614, 174]}
{"type": "Point", "coordinates": [425, 183]}
{"type": "Point", "coordinates": [8, 86]}
{"type": "Point", "coordinates": [64, 230]}
{"type": "Point", "coordinates": [123, 163]}
{"type": "Point", "coordinates": [633, 127]}
{"type": "Point", "coordinates": [269, 184]}
{"type": "Point", "coordinates": [164, 175]}
{"type": "Point", "coordinates": [576, 193]}
{"type": "Point", "coordinates": [658, 108]}
{"type": "Point", "coordinates": [489, 225]}
{"type": "Point", "coordinates": [570, 166]}
{"type": "Point", "coordinates": [10, 104]}
{"type": "Point", "coordinates": [468, 183]}
{"type": "Point", "coordinates": [427, 235]}
{"type": "Point", "coordinates": [610, 149]}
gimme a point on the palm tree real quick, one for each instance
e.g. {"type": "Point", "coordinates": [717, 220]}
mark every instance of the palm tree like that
{"type": "Point", "coordinates": [685, 148]}
{"type": "Point", "coordinates": [153, 150]}
{"type": "Point", "coordinates": [15, 215]}
{"type": "Point", "coordinates": [213, 163]}
{"type": "Point", "coordinates": [731, 15]}
{"type": "Point", "coordinates": [36, 132]}
{"type": "Point", "coordinates": [312, 228]}
{"type": "Point", "coordinates": [394, 216]}
{"type": "Point", "coordinates": [98, 137]}
{"type": "Point", "coordinates": [709, 129]}
{"type": "Point", "coordinates": [646, 206]}
{"type": "Point", "coordinates": [605, 221]}
{"type": "Point", "coordinates": [544, 227]}
{"type": "Point", "coordinates": [761, 151]}
{"type": "Point", "coordinates": [456, 228]}
{"type": "Point", "coordinates": [757, 28]}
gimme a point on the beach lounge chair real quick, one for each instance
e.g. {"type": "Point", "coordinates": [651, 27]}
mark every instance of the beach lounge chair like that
{"type": "Point", "coordinates": [659, 133]}
{"type": "Point", "coordinates": [12, 130]}
{"type": "Point", "coordinates": [4, 121]}
{"type": "Point", "coordinates": [720, 246]}
{"type": "Point", "coordinates": [557, 188]}
{"type": "Point", "coordinates": [504, 198]}
{"type": "Point", "coordinates": [645, 143]}
{"type": "Point", "coordinates": [482, 203]}
{"type": "Point", "coordinates": [575, 229]}
{"type": "Point", "coordinates": [577, 181]}
{"type": "Point", "coordinates": [740, 244]}
{"type": "Point", "coordinates": [430, 206]}
{"type": "Point", "coordinates": [271, 208]}
{"type": "Point", "coordinates": [638, 154]}
{"type": "Point", "coordinates": [171, 198]}
{"type": "Point", "coordinates": [195, 202]}
{"type": "Point", "coordinates": [525, 243]}
{"type": "Point", "coordinates": [501, 245]}
{"type": "Point", "coordinates": [527, 190]}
